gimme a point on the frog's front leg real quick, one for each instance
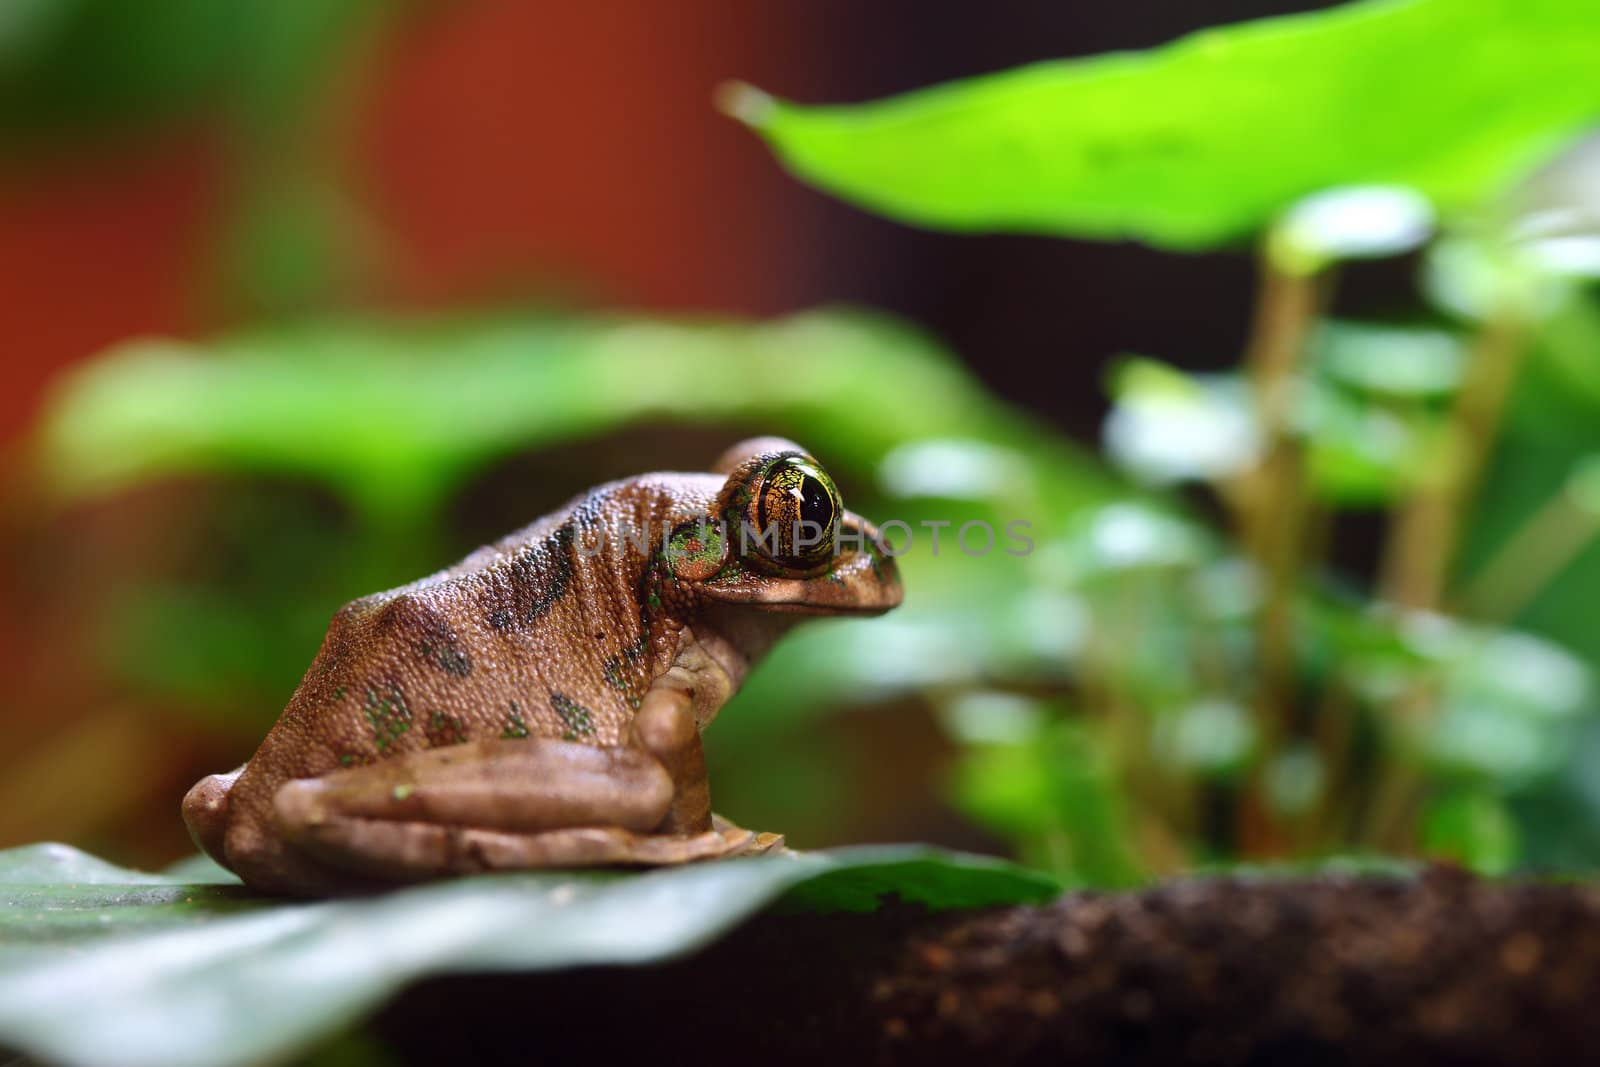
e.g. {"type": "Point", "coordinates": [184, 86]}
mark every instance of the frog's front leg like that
{"type": "Point", "coordinates": [513, 804]}
{"type": "Point", "coordinates": [665, 727]}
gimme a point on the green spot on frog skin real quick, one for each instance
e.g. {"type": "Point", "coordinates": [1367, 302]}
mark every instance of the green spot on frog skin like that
{"type": "Point", "coordinates": [578, 719]}
{"type": "Point", "coordinates": [338, 694]}
{"type": "Point", "coordinates": [347, 759]}
{"type": "Point", "coordinates": [697, 543]}
{"type": "Point", "coordinates": [389, 719]}
{"type": "Point", "coordinates": [515, 729]}
{"type": "Point", "coordinates": [618, 666]}
{"type": "Point", "coordinates": [403, 791]}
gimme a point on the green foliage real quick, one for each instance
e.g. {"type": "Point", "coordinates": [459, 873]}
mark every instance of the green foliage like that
{"type": "Point", "coordinates": [395, 415]}
{"type": "Point", "coordinates": [71, 66]}
{"type": "Point", "coordinates": [1473, 828]}
{"type": "Point", "coordinates": [1213, 137]}
{"type": "Point", "coordinates": [1366, 131]}
{"type": "Point", "coordinates": [1051, 787]}
{"type": "Point", "coordinates": [103, 965]}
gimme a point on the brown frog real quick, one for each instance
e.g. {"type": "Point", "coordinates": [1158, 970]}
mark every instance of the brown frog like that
{"type": "Point", "coordinates": [540, 703]}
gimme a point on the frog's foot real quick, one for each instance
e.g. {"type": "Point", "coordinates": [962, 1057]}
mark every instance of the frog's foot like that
{"type": "Point", "coordinates": [400, 851]}
{"type": "Point", "coordinates": [761, 844]}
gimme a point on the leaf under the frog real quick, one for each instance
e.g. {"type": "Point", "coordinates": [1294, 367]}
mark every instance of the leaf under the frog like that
{"type": "Point", "coordinates": [1210, 138]}
{"type": "Point", "coordinates": [103, 965]}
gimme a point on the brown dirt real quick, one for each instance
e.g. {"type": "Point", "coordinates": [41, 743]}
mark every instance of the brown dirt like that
{"type": "Point", "coordinates": [1443, 969]}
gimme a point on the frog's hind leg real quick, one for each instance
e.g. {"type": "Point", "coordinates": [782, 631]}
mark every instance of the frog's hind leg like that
{"type": "Point", "coordinates": [414, 851]}
{"type": "Point", "coordinates": [491, 805]}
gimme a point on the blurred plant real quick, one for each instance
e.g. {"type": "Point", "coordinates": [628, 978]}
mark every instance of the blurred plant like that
{"type": "Point", "coordinates": [271, 77]}
{"type": "Point", "coordinates": [1144, 690]}
{"type": "Point", "coordinates": [1247, 699]}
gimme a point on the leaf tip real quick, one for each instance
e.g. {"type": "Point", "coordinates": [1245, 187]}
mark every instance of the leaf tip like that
{"type": "Point", "coordinates": [744, 102]}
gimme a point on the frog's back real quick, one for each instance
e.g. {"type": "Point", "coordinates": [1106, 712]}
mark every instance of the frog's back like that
{"type": "Point", "coordinates": [536, 635]}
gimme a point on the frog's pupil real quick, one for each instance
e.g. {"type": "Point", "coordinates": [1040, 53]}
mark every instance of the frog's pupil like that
{"type": "Point", "coordinates": [815, 503]}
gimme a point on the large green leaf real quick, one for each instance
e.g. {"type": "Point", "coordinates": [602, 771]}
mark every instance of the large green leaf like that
{"type": "Point", "coordinates": [1209, 138]}
{"type": "Point", "coordinates": [101, 965]}
{"type": "Point", "coordinates": [395, 414]}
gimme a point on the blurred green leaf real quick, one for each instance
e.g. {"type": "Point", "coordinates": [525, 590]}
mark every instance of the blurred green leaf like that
{"type": "Point", "coordinates": [1129, 536]}
{"type": "Point", "coordinates": [1168, 426]}
{"type": "Point", "coordinates": [990, 717]}
{"type": "Point", "coordinates": [1473, 828]}
{"type": "Point", "coordinates": [71, 66]}
{"type": "Point", "coordinates": [395, 415]}
{"type": "Point", "coordinates": [1362, 453]}
{"type": "Point", "coordinates": [1210, 738]}
{"type": "Point", "coordinates": [1056, 793]}
{"type": "Point", "coordinates": [1403, 362]}
{"type": "Point", "coordinates": [1507, 703]}
{"type": "Point", "coordinates": [100, 965]}
{"type": "Point", "coordinates": [1294, 781]}
{"type": "Point", "coordinates": [1210, 138]}
{"type": "Point", "coordinates": [1350, 222]}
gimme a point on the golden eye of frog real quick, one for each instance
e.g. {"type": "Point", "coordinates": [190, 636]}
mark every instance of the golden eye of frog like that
{"type": "Point", "coordinates": [540, 703]}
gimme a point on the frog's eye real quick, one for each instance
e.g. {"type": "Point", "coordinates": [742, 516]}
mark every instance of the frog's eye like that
{"type": "Point", "coordinates": [792, 517]}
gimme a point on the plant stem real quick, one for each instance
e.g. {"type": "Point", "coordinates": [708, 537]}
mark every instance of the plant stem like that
{"type": "Point", "coordinates": [1273, 510]}
{"type": "Point", "coordinates": [1543, 546]}
{"type": "Point", "coordinates": [1427, 528]}
{"type": "Point", "coordinates": [1424, 540]}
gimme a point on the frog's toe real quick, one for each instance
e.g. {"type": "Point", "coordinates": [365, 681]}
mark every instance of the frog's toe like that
{"type": "Point", "coordinates": [767, 844]}
{"type": "Point", "coordinates": [411, 851]}
{"type": "Point", "coordinates": [758, 844]}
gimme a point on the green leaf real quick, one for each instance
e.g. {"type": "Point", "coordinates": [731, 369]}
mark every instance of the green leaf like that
{"type": "Point", "coordinates": [83, 66]}
{"type": "Point", "coordinates": [1352, 222]}
{"type": "Point", "coordinates": [1057, 793]}
{"type": "Point", "coordinates": [394, 415]}
{"type": "Point", "coordinates": [1169, 426]}
{"type": "Point", "coordinates": [1210, 737]}
{"type": "Point", "coordinates": [100, 965]}
{"type": "Point", "coordinates": [1402, 362]}
{"type": "Point", "coordinates": [1210, 138]}
{"type": "Point", "coordinates": [1473, 828]}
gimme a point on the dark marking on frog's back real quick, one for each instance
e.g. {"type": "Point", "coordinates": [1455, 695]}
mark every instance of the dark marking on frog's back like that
{"type": "Point", "coordinates": [533, 581]}
{"type": "Point", "coordinates": [440, 647]}
{"type": "Point", "coordinates": [388, 616]}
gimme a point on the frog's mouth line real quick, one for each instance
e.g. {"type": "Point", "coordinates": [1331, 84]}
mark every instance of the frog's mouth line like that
{"type": "Point", "coordinates": [813, 596]}
{"type": "Point", "coordinates": [860, 582]}
{"type": "Point", "coordinates": [801, 607]}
